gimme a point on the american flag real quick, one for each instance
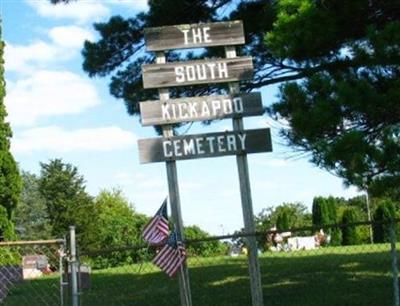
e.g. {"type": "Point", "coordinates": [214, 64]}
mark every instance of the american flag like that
{"type": "Point", "coordinates": [171, 256]}
{"type": "Point", "coordinates": [157, 230]}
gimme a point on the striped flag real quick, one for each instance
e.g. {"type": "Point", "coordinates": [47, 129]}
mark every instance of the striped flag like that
{"type": "Point", "coordinates": [157, 230]}
{"type": "Point", "coordinates": [171, 256]}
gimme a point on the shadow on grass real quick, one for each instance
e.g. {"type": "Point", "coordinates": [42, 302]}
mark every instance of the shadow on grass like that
{"type": "Point", "coordinates": [43, 291]}
{"type": "Point", "coordinates": [328, 279]}
{"type": "Point", "coordinates": [287, 278]}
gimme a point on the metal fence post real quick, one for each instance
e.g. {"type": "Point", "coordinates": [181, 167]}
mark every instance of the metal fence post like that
{"type": "Point", "coordinates": [395, 272]}
{"type": "Point", "coordinates": [61, 268]}
{"type": "Point", "coordinates": [73, 263]}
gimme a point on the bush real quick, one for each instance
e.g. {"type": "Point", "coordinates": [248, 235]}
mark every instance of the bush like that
{"type": "Point", "coordinates": [114, 224]}
{"type": "Point", "coordinates": [383, 213]}
{"type": "Point", "coordinates": [206, 248]}
{"type": "Point", "coordinates": [350, 234]}
{"type": "Point", "coordinates": [324, 212]}
{"type": "Point", "coordinates": [8, 256]}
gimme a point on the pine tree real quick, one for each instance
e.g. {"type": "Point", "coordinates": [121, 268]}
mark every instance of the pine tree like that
{"type": "Point", "coordinates": [331, 75]}
{"type": "Point", "coordinates": [320, 212]}
{"type": "Point", "coordinates": [350, 234]}
{"type": "Point", "coordinates": [64, 193]}
{"type": "Point", "coordinates": [383, 214]}
{"type": "Point", "coordinates": [10, 180]}
{"type": "Point", "coordinates": [282, 222]}
{"type": "Point", "coordinates": [332, 206]}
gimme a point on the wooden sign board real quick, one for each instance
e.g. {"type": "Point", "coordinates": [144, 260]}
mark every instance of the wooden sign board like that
{"type": "Point", "coordinates": [197, 72]}
{"type": "Point", "coordinates": [160, 149]}
{"type": "Point", "coordinates": [194, 35]}
{"type": "Point", "coordinates": [200, 108]}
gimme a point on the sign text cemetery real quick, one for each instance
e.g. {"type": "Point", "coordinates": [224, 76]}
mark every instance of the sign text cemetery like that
{"type": "Point", "coordinates": [235, 105]}
{"type": "Point", "coordinates": [204, 145]}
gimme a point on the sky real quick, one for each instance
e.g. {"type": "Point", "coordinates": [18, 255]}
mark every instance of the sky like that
{"type": "Point", "coordinates": [57, 111]}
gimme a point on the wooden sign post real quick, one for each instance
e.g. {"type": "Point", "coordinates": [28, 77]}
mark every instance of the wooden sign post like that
{"type": "Point", "coordinates": [247, 204]}
{"type": "Point", "coordinates": [175, 201]}
{"type": "Point", "coordinates": [235, 105]}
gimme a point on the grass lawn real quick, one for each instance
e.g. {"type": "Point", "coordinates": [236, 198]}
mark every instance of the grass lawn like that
{"type": "Point", "coordinates": [356, 275]}
{"type": "Point", "coordinates": [43, 291]}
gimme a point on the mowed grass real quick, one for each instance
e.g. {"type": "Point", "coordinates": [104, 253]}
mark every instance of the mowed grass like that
{"type": "Point", "coordinates": [356, 275]}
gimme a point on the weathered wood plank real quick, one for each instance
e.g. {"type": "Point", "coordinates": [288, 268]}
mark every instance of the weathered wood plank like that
{"type": "Point", "coordinates": [200, 108]}
{"type": "Point", "coordinates": [194, 35]}
{"type": "Point", "coordinates": [174, 200]}
{"type": "Point", "coordinates": [247, 203]}
{"type": "Point", "coordinates": [204, 145]}
{"type": "Point", "coordinates": [197, 72]}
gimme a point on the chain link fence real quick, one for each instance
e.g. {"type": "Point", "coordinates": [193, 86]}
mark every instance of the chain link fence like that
{"type": "Point", "coordinates": [31, 273]}
{"type": "Point", "coordinates": [306, 266]}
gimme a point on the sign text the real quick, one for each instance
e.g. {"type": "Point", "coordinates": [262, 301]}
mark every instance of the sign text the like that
{"type": "Point", "coordinates": [197, 36]}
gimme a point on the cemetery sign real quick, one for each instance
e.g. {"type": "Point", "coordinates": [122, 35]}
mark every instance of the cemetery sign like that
{"type": "Point", "coordinates": [200, 108]}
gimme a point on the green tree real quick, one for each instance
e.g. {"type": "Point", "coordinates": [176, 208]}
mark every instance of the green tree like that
{"type": "Point", "coordinates": [10, 181]}
{"type": "Point", "coordinates": [360, 202]}
{"type": "Point", "coordinates": [282, 221]}
{"type": "Point", "coordinates": [344, 111]}
{"type": "Point", "coordinates": [320, 212]}
{"type": "Point", "coordinates": [333, 204]}
{"type": "Point", "coordinates": [296, 216]}
{"type": "Point", "coordinates": [202, 248]}
{"type": "Point", "coordinates": [7, 231]}
{"type": "Point", "coordinates": [325, 212]}
{"type": "Point", "coordinates": [31, 217]}
{"type": "Point", "coordinates": [350, 234]}
{"type": "Point", "coordinates": [66, 199]}
{"type": "Point", "coordinates": [341, 68]}
{"type": "Point", "coordinates": [386, 187]}
{"type": "Point", "coordinates": [118, 53]}
{"type": "Point", "coordinates": [8, 256]}
{"type": "Point", "coordinates": [114, 223]}
{"type": "Point", "coordinates": [384, 212]}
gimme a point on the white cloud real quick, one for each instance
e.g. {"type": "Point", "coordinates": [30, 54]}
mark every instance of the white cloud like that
{"type": "Point", "coordinates": [79, 11]}
{"type": "Point", "coordinates": [66, 42]}
{"type": "Point", "coordinates": [70, 36]}
{"type": "Point", "coordinates": [21, 58]}
{"type": "Point", "coordinates": [48, 93]}
{"type": "Point", "coordinates": [55, 139]}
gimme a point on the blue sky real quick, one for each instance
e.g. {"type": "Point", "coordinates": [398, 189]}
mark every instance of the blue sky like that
{"type": "Point", "coordinates": [57, 111]}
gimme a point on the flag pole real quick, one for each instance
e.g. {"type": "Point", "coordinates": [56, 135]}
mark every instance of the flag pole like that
{"type": "Point", "coordinates": [182, 271]}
